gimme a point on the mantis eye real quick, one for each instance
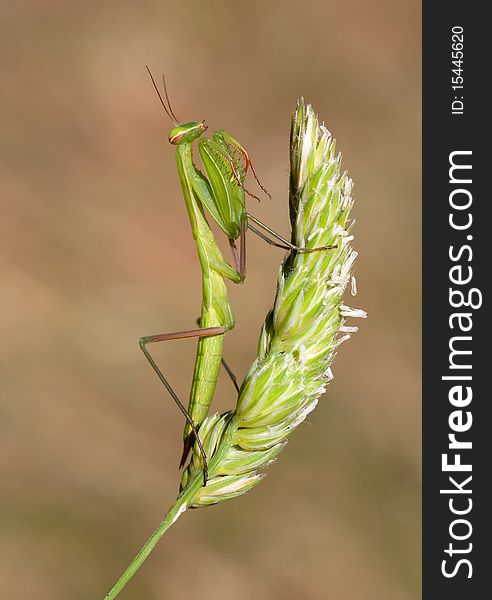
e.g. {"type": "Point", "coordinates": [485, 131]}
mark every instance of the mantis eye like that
{"type": "Point", "coordinates": [175, 137]}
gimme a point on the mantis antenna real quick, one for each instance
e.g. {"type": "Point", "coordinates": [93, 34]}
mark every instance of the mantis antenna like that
{"type": "Point", "coordinates": [169, 111]}
{"type": "Point", "coordinates": [167, 98]}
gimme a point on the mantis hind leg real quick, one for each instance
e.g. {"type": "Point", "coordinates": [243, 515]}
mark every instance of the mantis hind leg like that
{"type": "Point", "coordinates": [231, 374]}
{"type": "Point", "coordinates": [150, 339]}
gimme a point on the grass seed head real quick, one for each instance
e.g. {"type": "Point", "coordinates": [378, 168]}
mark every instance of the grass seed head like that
{"type": "Point", "coordinates": [301, 333]}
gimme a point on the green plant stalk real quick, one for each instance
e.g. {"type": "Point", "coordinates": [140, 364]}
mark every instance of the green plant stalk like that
{"type": "Point", "coordinates": [298, 340]}
{"type": "Point", "coordinates": [183, 501]}
{"type": "Point", "coordinates": [174, 512]}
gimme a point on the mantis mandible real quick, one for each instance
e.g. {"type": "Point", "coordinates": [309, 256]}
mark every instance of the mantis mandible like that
{"type": "Point", "coordinates": [220, 192]}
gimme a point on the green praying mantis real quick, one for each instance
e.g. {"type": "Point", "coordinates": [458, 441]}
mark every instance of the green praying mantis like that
{"type": "Point", "coordinates": [219, 192]}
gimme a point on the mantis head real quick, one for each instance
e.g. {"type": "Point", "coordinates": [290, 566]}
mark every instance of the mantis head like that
{"type": "Point", "coordinates": [187, 132]}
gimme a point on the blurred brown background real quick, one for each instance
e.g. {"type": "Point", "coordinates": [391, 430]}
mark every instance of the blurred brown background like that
{"type": "Point", "coordinates": [96, 251]}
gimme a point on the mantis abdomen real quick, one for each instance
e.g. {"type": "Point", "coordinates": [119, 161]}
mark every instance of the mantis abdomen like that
{"type": "Point", "coordinates": [216, 311]}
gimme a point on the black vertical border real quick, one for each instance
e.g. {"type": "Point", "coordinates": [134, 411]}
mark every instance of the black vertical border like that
{"type": "Point", "coordinates": [442, 134]}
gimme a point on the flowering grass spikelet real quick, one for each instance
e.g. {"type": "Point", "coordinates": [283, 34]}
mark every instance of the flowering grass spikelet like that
{"type": "Point", "coordinates": [301, 333]}
{"type": "Point", "coordinates": [298, 340]}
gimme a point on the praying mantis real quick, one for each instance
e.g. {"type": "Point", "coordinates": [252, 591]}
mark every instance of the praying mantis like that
{"type": "Point", "coordinates": [220, 192]}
